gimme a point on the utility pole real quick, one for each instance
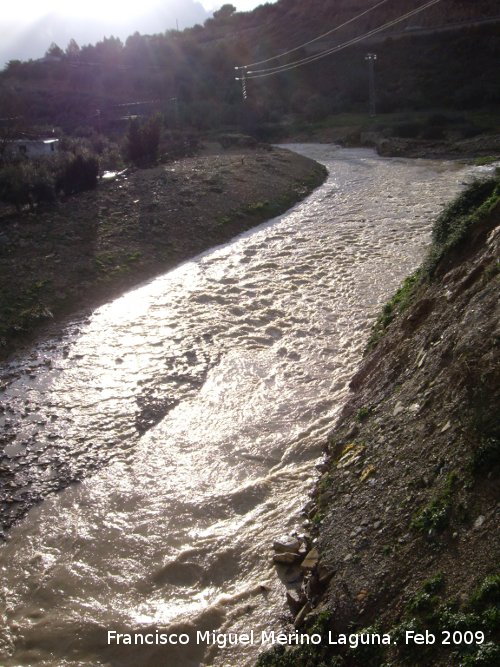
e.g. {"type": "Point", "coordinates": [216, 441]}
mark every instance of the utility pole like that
{"type": "Point", "coordinates": [243, 80]}
{"type": "Point", "coordinates": [371, 58]}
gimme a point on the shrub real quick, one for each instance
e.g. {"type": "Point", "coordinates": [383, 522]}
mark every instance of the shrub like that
{"type": "Point", "coordinates": [78, 173]}
{"type": "Point", "coordinates": [14, 185]}
{"type": "Point", "coordinates": [25, 183]}
{"type": "Point", "coordinates": [452, 228]}
{"type": "Point", "coordinates": [42, 186]}
{"type": "Point", "coordinates": [143, 140]}
{"type": "Point", "coordinates": [464, 205]}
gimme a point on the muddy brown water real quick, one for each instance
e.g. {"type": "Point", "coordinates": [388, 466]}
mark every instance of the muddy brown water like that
{"type": "Point", "coordinates": [209, 393]}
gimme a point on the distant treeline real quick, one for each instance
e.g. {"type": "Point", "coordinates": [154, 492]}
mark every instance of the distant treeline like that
{"type": "Point", "coordinates": [188, 76]}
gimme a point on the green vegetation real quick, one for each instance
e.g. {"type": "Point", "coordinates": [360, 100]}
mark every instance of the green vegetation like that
{"type": "Point", "coordinates": [33, 182]}
{"type": "Point", "coordinates": [427, 610]}
{"type": "Point", "coordinates": [435, 515]}
{"type": "Point", "coordinates": [452, 229]}
{"type": "Point", "coordinates": [30, 306]}
{"type": "Point", "coordinates": [397, 304]}
{"type": "Point", "coordinates": [306, 655]}
{"type": "Point", "coordinates": [426, 599]}
{"type": "Point", "coordinates": [363, 414]}
{"type": "Point", "coordinates": [317, 518]}
{"type": "Point", "coordinates": [111, 263]}
{"type": "Point", "coordinates": [483, 161]}
{"type": "Point", "coordinates": [143, 140]}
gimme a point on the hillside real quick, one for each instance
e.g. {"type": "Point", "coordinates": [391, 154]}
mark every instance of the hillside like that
{"type": "Point", "coordinates": [405, 514]}
{"type": "Point", "coordinates": [189, 75]}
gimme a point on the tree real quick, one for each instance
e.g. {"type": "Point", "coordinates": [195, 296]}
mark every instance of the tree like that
{"type": "Point", "coordinates": [54, 51]}
{"type": "Point", "coordinates": [225, 12]}
{"type": "Point", "coordinates": [143, 140]}
{"type": "Point", "coordinates": [72, 49]}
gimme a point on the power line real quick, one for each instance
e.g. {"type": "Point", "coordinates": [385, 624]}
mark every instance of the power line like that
{"type": "Point", "coordinates": [325, 34]}
{"type": "Point", "coordinates": [256, 74]}
{"type": "Point", "coordinates": [354, 40]}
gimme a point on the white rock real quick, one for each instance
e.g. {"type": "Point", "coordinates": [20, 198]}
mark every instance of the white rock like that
{"type": "Point", "coordinates": [287, 545]}
{"type": "Point", "coordinates": [399, 408]}
{"type": "Point", "coordinates": [479, 522]}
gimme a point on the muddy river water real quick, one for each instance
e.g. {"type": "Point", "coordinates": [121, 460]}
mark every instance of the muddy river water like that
{"type": "Point", "coordinates": [208, 393]}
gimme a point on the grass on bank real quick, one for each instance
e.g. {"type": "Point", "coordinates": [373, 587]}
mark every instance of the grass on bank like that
{"type": "Point", "coordinates": [452, 230]}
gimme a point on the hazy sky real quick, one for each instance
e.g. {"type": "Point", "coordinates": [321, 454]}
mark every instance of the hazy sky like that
{"type": "Point", "coordinates": [28, 27]}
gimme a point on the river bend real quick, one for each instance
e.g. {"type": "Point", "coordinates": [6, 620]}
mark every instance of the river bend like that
{"type": "Point", "coordinates": [208, 393]}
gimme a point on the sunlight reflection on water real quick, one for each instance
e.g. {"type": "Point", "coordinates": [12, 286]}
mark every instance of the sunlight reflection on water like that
{"type": "Point", "coordinates": [245, 354]}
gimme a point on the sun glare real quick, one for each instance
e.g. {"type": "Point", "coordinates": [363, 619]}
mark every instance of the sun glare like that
{"type": "Point", "coordinates": [106, 9]}
{"type": "Point", "coordinates": [98, 9]}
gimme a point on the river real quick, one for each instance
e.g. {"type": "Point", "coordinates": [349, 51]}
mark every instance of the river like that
{"type": "Point", "coordinates": [208, 394]}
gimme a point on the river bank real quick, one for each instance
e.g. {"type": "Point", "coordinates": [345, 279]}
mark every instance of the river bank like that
{"type": "Point", "coordinates": [405, 513]}
{"type": "Point", "coordinates": [93, 246]}
{"type": "Point", "coordinates": [438, 136]}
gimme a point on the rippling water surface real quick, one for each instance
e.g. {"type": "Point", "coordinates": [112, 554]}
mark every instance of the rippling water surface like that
{"type": "Point", "coordinates": [210, 390]}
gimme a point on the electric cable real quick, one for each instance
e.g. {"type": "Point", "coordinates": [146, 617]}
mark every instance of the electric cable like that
{"type": "Point", "coordinates": [325, 34]}
{"type": "Point", "coordinates": [256, 74]}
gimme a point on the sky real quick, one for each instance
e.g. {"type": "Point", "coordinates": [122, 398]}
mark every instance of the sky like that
{"type": "Point", "coordinates": [28, 27]}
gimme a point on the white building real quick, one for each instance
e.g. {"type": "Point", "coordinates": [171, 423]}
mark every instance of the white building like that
{"type": "Point", "coordinates": [31, 148]}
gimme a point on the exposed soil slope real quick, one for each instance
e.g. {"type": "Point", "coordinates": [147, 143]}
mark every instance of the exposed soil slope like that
{"type": "Point", "coordinates": [406, 511]}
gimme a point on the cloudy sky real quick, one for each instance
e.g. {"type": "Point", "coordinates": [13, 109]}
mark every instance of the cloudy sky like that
{"type": "Point", "coordinates": [28, 27]}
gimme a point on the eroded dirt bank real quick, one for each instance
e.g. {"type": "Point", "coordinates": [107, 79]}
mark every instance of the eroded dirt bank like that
{"type": "Point", "coordinates": [91, 247]}
{"type": "Point", "coordinates": [405, 514]}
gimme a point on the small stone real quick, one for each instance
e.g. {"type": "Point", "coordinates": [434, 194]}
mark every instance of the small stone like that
{"type": "Point", "coordinates": [311, 560]}
{"type": "Point", "coordinates": [287, 545]}
{"type": "Point", "coordinates": [479, 522]}
{"type": "Point", "coordinates": [398, 408]}
{"type": "Point", "coordinates": [421, 358]}
{"type": "Point", "coordinates": [308, 507]}
{"type": "Point", "coordinates": [446, 426]}
{"type": "Point", "coordinates": [299, 619]}
{"type": "Point", "coordinates": [286, 558]}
